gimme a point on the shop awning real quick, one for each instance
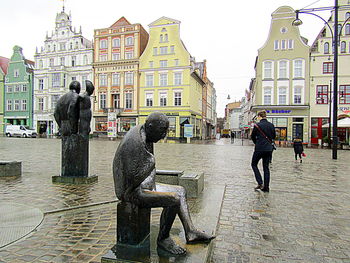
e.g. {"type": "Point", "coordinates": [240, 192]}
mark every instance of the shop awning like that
{"type": "Point", "coordinates": [343, 123]}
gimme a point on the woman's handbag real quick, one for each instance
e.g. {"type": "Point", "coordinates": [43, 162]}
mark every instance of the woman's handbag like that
{"type": "Point", "coordinates": [303, 154]}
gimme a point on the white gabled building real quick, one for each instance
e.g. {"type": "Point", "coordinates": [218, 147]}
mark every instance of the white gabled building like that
{"type": "Point", "coordinates": [65, 56]}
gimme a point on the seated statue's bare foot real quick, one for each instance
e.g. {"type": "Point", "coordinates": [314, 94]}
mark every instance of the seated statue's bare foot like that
{"type": "Point", "coordinates": [196, 236]}
{"type": "Point", "coordinates": [169, 245]}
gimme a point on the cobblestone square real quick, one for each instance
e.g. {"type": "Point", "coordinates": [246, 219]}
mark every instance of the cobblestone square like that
{"type": "Point", "coordinates": [304, 218]}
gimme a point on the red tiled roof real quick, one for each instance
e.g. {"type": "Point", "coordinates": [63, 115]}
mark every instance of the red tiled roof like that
{"type": "Point", "coordinates": [121, 22]}
{"type": "Point", "coordinates": [4, 63]}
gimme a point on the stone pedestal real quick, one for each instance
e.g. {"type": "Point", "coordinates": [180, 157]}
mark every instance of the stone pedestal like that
{"type": "Point", "coordinates": [10, 168]}
{"type": "Point", "coordinates": [133, 224]}
{"type": "Point", "coordinates": [74, 179]}
{"type": "Point", "coordinates": [193, 183]}
{"type": "Point", "coordinates": [168, 176]}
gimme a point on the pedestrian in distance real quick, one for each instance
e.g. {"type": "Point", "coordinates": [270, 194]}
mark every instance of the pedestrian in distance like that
{"type": "Point", "coordinates": [263, 135]}
{"type": "Point", "coordinates": [233, 136]}
{"type": "Point", "coordinates": [298, 149]}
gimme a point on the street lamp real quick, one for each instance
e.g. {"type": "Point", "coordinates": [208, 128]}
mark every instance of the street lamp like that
{"type": "Point", "coordinates": [335, 42]}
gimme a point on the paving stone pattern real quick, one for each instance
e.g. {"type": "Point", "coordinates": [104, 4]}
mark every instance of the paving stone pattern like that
{"type": "Point", "coordinates": [304, 218]}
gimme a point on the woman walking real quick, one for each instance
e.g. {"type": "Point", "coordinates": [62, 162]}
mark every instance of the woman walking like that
{"type": "Point", "coordinates": [298, 148]}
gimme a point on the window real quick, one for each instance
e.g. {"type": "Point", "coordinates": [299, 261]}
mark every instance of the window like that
{"type": "Point", "coordinates": [74, 78]}
{"type": "Point", "coordinates": [103, 58]}
{"type": "Point", "coordinates": [327, 67]}
{"type": "Point", "coordinates": [116, 42]}
{"type": "Point", "coordinates": [322, 94]}
{"type": "Point", "coordinates": [74, 61]}
{"type": "Point", "coordinates": [267, 96]}
{"type": "Point", "coordinates": [76, 44]}
{"type": "Point", "coordinates": [172, 49]}
{"type": "Point", "coordinates": [17, 105]}
{"type": "Point", "coordinates": [129, 41]}
{"type": "Point", "coordinates": [116, 79]}
{"type": "Point", "coordinates": [149, 99]}
{"type": "Point", "coordinates": [9, 89]}
{"type": "Point", "coordinates": [343, 47]}
{"type": "Point", "coordinates": [103, 80]}
{"type": "Point", "coordinates": [155, 51]}
{"type": "Point", "coordinates": [344, 94]}
{"type": "Point", "coordinates": [52, 62]}
{"type": "Point", "coordinates": [298, 68]}
{"type": "Point", "coordinates": [41, 104]}
{"type": "Point", "coordinates": [62, 61]}
{"type": "Point", "coordinates": [70, 45]}
{"type": "Point", "coordinates": [41, 84]}
{"type": "Point", "coordinates": [339, 28]}
{"type": "Point", "coordinates": [176, 62]}
{"type": "Point", "coordinates": [103, 104]}
{"type": "Point", "coordinates": [54, 48]}
{"type": "Point", "coordinates": [283, 44]}
{"type": "Point", "coordinates": [178, 78]}
{"type": "Point", "coordinates": [283, 68]}
{"type": "Point", "coordinates": [161, 38]}
{"type": "Point", "coordinates": [24, 88]}
{"type": "Point", "coordinates": [163, 63]}
{"type": "Point", "coordinates": [163, 79]}
{"type": "Point", "coordinates": [54, 99]}
{"type": "Point", "coordinates": [116, 56]}
{"type": "Point", "coordinates": [276, 45]}
{"type": "Point", "coordinates": [41, 64]}
{"type": "Point", "coordinates": [116, 100]}
{"type": "Point", "coordinates": [9, 105]}
{"type": "Point", "coordinates": [62, 46]}
{"type": "Point", "coordinates": [17, 88]}
{"type": "Point", "coordinates": [129, 78]}
{"type": "Point", "coordinates": [103, 43]}
{"type": "Point", "coordinates": [347, 29]}
{"type": "Point", "coordinates": [151, 64]}
{"type": "Point", "coordinates": [166, 38]}
{"type": "Point", "coordinates": [56, 80]}
{"type": "Point", "coordinates": [128, 100]}
{"type": "Point", "coordinates": [85, 60]}
{"type": "Point", "coordinates": [129, 55]}
{"type": "Point", "coordinates": [177, 98]}
{"type": "Point", "coordinates": [83, 81]}
{"type": "Point", "coordinates": [326, 48]}
{"type": "Point", "coordinates": [297, 98]}
{"type": "Point", "coordinates": [267, 70]}
{"type": "Point", "coordinates": [163, 98]}
{"type": "Point", "coordinates": [282, 96]}
{"type": "Point", "coordinates": [149, 80]}
{"type": "Point", "coordinates": [290, 44]}
{"type": "Point", "coordinates": [24, 105]}
{"type": "Point", "coordinates": [163, 50]}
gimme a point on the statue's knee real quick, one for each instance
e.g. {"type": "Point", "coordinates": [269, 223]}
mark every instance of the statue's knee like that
{"type": "Point", "coordinates": [181, 191]}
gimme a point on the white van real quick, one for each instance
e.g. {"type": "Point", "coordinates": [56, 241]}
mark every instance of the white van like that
{"type": "Point", "coordinates": [19, 130]}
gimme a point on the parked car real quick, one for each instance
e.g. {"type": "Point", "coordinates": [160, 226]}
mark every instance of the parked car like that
{"type": "Point", "coordinates": [20, 130]}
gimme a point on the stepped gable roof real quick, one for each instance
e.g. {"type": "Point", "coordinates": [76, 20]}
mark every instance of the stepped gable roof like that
{"type": "Point", "coordinates": [4, 63]}
{"type": "Point", "coordinates": [121, 22]}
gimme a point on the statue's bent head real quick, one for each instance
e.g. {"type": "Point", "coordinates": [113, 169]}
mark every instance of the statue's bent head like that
{"type": "Point", "coordinates": [156, 127]}
{"type": "Point", "coordinates": [75, 85]}
{"type": "Point", "coordinates": [89, 87]}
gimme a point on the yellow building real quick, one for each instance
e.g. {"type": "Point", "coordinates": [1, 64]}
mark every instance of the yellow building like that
{"type": "Point", "coordinates": [169, 80]}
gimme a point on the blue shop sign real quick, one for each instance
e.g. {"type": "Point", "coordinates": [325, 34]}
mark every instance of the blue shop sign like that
{"type": "Point", "coordinates": [278, 111]}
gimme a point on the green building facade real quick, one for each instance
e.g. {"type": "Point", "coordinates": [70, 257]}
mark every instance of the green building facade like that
{"type": "Point", "coordinates": [18, 99]}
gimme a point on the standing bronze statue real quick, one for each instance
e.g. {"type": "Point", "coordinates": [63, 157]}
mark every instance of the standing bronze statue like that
{"type": "Point", "coordinates": [73, 116]}
{"type": "Point", "coordinates": [134, 179]}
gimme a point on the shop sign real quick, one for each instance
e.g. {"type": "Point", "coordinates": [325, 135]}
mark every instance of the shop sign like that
{"type": "Point", "coordinates": [188, 130]}
{"type": "Point", "coordinates": [346, 110]}
{"type": "Point", "coordinates": [278, 111]}
{"type": "Point", "coordinates": [112, 125]}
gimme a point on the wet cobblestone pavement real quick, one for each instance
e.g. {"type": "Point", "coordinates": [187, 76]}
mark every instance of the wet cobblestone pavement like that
{"type": "Point", "coordinates": [304, 218]}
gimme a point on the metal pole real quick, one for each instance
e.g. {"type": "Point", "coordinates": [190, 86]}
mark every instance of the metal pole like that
{"type": "Point", "coordinates": [330, 114]}
{"type": "Point", "coordinates": [335, 82]}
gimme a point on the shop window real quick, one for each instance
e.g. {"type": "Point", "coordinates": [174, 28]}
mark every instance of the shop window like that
{"type": "Point", "coordinates": [172, 127]}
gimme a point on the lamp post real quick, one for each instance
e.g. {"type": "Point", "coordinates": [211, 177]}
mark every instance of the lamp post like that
{"type": "Point", "coordinates": [335, 42]}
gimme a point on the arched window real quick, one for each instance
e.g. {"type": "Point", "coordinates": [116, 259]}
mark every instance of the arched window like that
{"type": "Point", "coordinates": [343, 47]}
{"type": "Point", "coordinates": [347, 29]}
{"type": "Point", "coordinates": [347, 15]}
{"type": "Point", "coordinates": [326, 48]}
{"type": "Point", "coordinates": [339, 28]}
{"type": "Point", "coordinates": [166, 38]}
{"type": "Point", "coordinates": [161, 38]}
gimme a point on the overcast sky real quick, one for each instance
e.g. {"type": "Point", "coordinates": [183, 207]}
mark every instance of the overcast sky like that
{"type": "Point", "coordinates": [226, 33]}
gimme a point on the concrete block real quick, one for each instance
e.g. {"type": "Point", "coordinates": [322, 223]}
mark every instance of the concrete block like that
{"type": "Point", "coordinates": [168, 176]}
{"type": "Point", "coordinates": [193, 183]}
{"type": "Point", "coordinates": [10, 168]}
